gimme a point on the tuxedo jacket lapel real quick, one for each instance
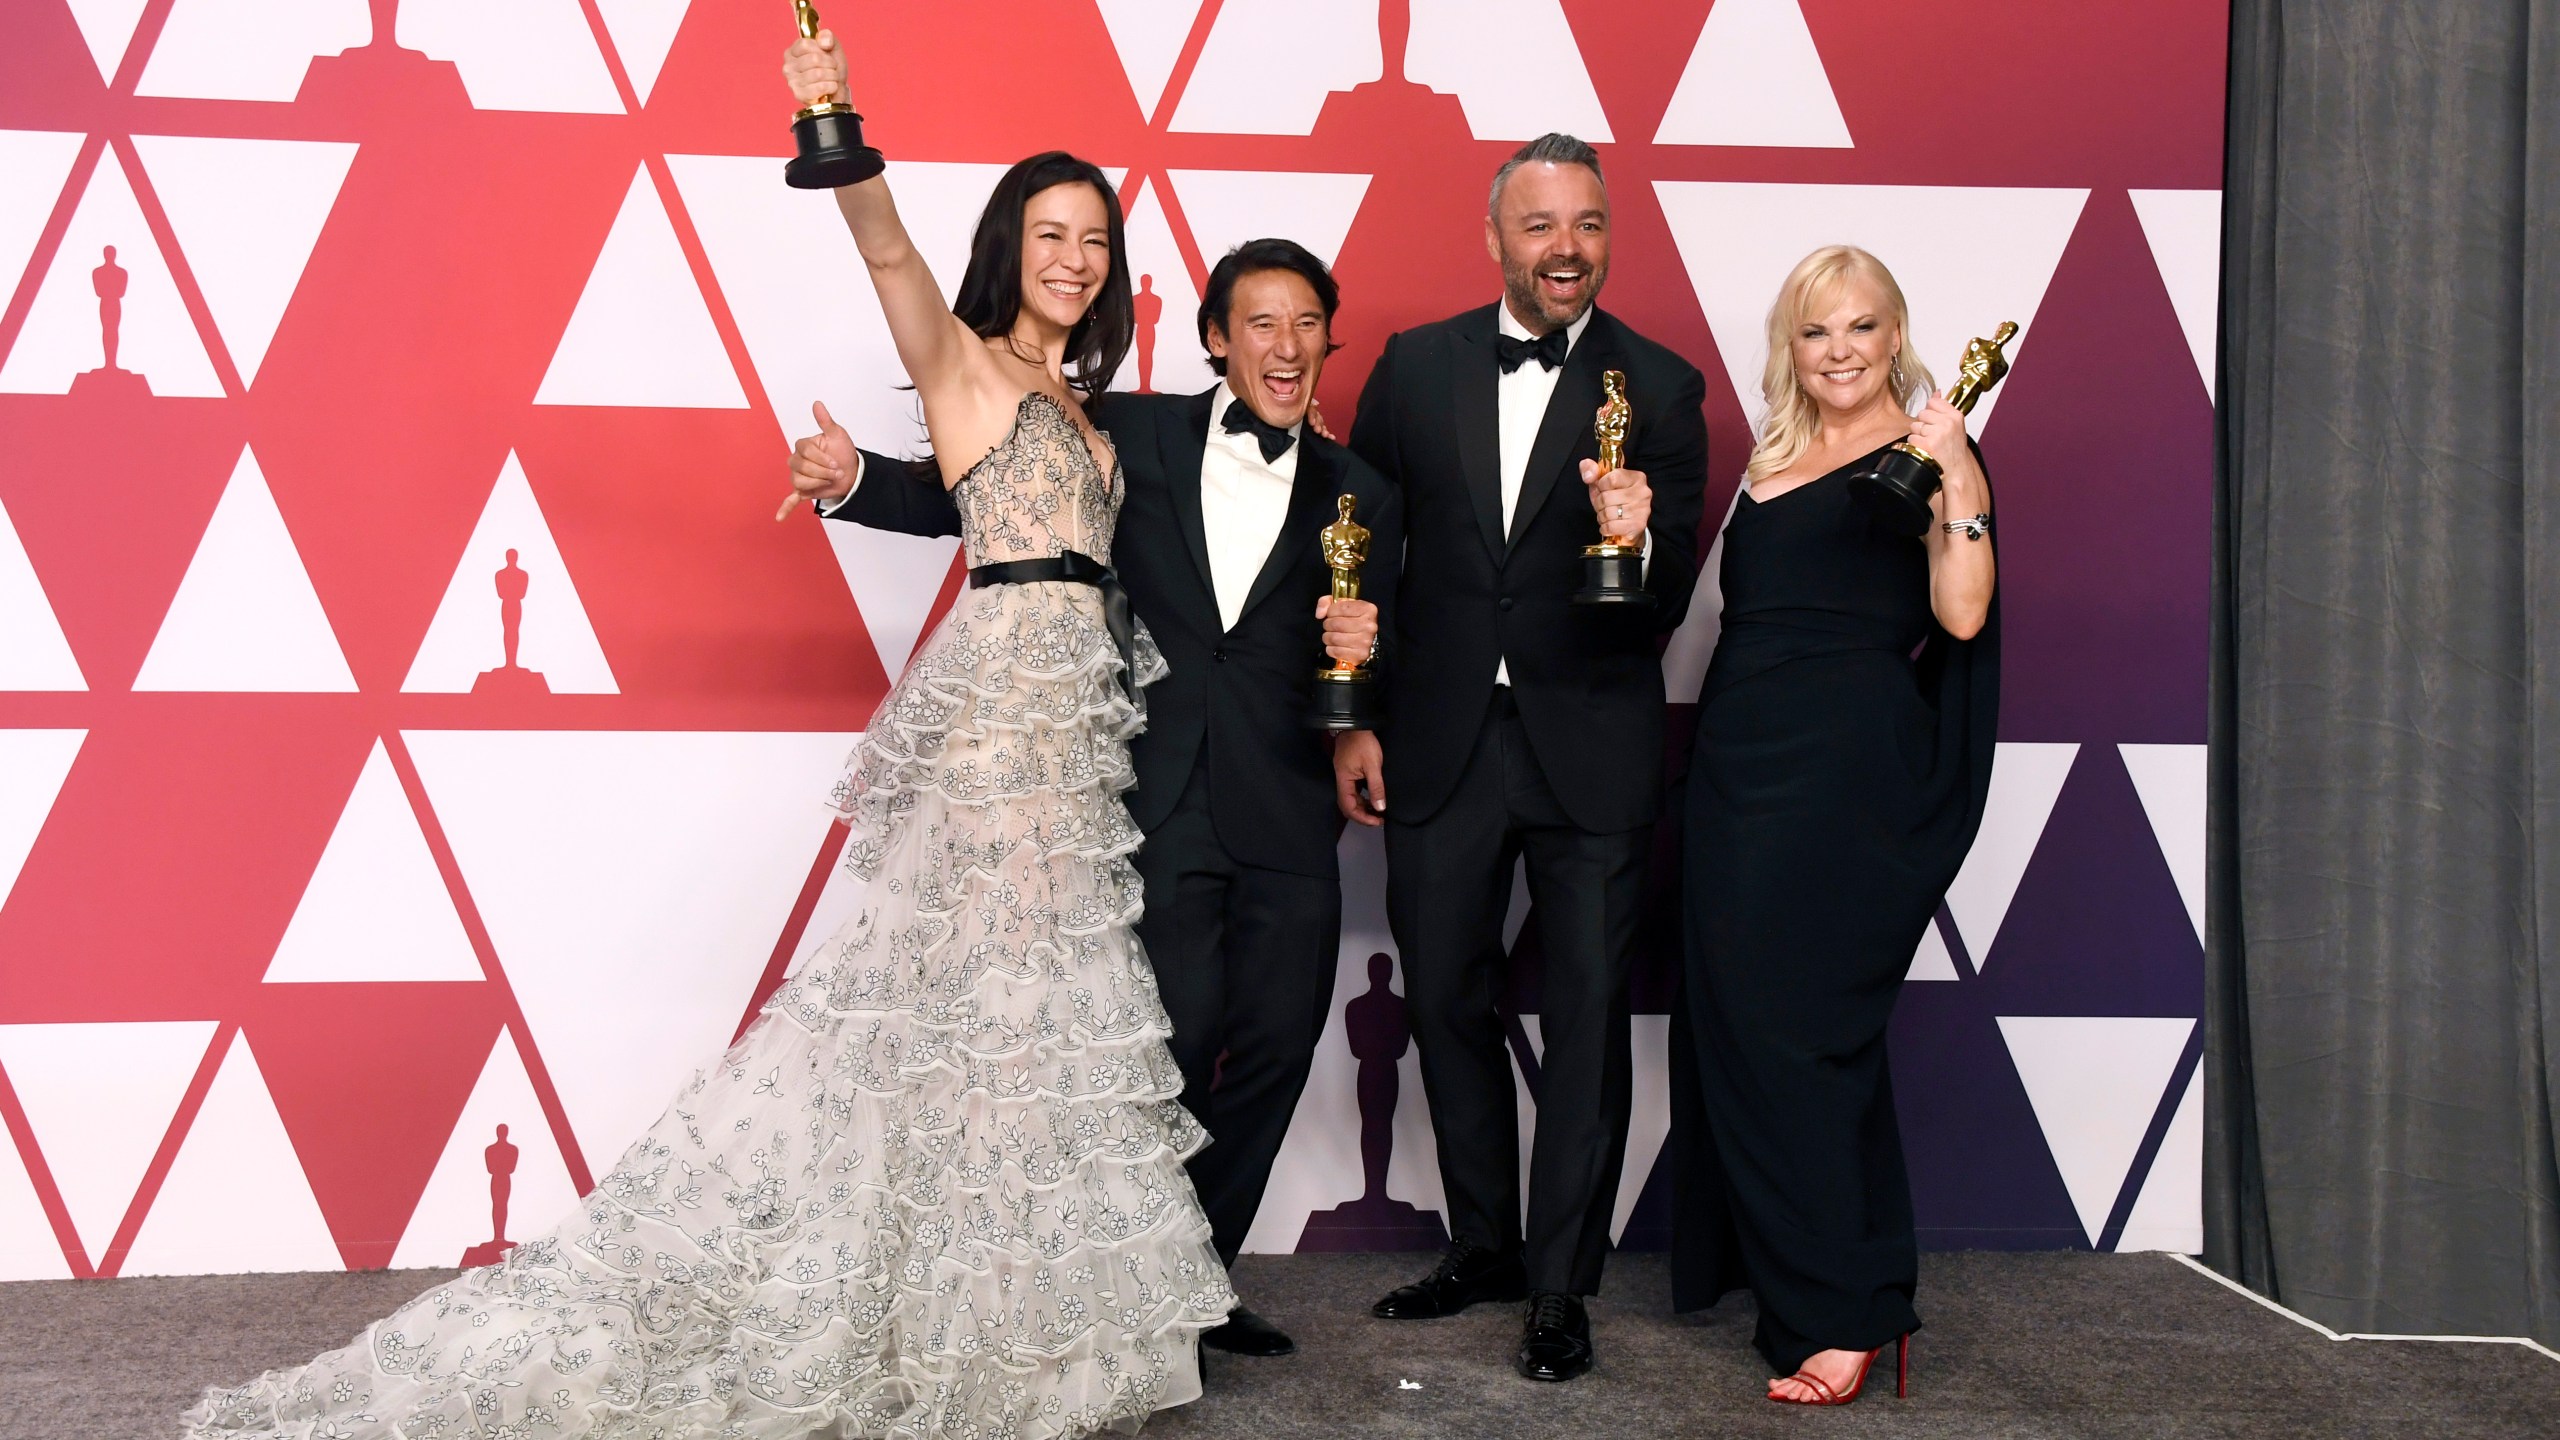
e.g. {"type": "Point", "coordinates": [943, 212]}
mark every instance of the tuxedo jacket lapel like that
{"type": "Point", "coordinates": [1478, 412]}
{"type": "Point", "coordinates": [1570, 411]}
{"type": "Point", "coordinates": [1310, 498]}
{"type": "Point", "coordinates": [1180, 446]}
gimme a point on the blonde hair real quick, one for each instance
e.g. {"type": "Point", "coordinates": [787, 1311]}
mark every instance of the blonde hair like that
{"type": "Point", "coordinates": [1787, 431]}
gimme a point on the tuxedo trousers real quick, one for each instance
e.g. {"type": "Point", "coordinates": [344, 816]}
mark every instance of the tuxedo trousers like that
{"type": "Point", "coordinates": [1244, 960]}
{"type": "Point", "coordinates": [1448, 889]}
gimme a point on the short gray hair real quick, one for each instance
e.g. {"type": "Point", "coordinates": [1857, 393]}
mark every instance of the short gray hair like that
{"type": "Point", "coordinates": [1553, 148]}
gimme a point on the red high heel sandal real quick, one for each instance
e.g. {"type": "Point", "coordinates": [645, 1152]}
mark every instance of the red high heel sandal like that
{"type": "Point", "coordinates": [1823, 1394]}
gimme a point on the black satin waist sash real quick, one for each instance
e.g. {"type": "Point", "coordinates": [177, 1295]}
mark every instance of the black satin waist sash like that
{"type": "Point", "coordinates": [1077, 568]}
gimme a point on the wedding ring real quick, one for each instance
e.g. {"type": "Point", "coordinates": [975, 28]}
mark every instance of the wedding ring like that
{"type": "Point", "coordinates": [1617, 512]}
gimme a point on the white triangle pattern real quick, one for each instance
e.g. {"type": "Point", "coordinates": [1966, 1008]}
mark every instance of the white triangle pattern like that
{"type": "Point", "coordinates": [1966, 257]}
{"type": "Point", "coordinates": [2184, 228]}
{"type": "Point", "coordinates": [28, 1248]}
{"type": "Point", "coordinates": [1755, 78]}
{"type": "Point", "coordinates": [1524, 1105]}
{"type": "Point", "coordinates": [99, 1098]}
{"type": "Point", "coordinates": [33, 165]}
{"type": "Point", "coordinates": [454, 1212]}
{"type": "Point", "coordinates": [2026, 780]}
{"type": "Point", "coordinates": [249, 49]}
{"type": "Point", "coordinates": [781, 255]}
{"type": "Point", "coordinates": [1649, 1122]}
{"type": "Point", "coordinates": [33, 765]}
{"type": "Point", "coordinates": [1225, 208]}
{"type": "Point", "coordinates": [246, 214]}
{"type": "Point", "coordinates": [1180, 366]}
{"type": "Point", "coordinates": [515, 54]}
{"type": "Point", "coordinates": [236, 1200]}
{"type": "Point", "coordinates": [245, 617]}
{"type": "Point", "coordinates": [1513, 64]}
{"type": "Point", "coordinates": [376, 908]}
{"type": "Point", "coordinates": [1693, 645]}
{"type": "Point", "coordinates": [641, 334]}
{"type": "Point", "coordinates": [2095, 1081]}
{"type": "Point", "coordinates": [2171, 781]}
{"type": "Point", "coordinates": [633, 884]}
{"type": "Point", "coordinates": [1269, 65]}
{"type": "Point", "coordinates": [466, 637]}
{"type": "Point", "coordinates": [1149, 35]}
{"type": "Point", "coordinates": [2169, 1213]}
{"type": "Point", "coordinates": [839, 900]}
{"type": "Point", "coordinates": [894, 579]}
{"type": "Point", "coordinates": [61, 336]}
{"type": "Point", "coordinates": [34, 655]}
{"type": "Point", "coordinates": [107, 26]}
{"type": "Point", "coordinates": [1932, 961]}
{"type": "Point", "coordinates": [643, 32]}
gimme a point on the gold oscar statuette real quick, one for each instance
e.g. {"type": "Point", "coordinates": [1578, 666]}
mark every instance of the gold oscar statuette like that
{"type": "Point", "coordinates": [827, 132]}
{"type": "Point", "coordinates": [1905, 476]}
{"type": "Point", "coordinates": [1346, 694]}
{"type": "Point", "coordinates": [1613, 570]}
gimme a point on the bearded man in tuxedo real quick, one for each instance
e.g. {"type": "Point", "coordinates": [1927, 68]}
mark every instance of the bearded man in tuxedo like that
{"type": "Point", "coordinates": [1523, 726]}
{"type": "Point", "coordinates": [1218, 549]}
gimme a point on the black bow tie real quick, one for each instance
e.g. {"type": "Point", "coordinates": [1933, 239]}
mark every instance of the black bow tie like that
{"type": "Point", "coordinates": [1548, 350]}
{"type": "Point", "coordinates": [1274, 440]}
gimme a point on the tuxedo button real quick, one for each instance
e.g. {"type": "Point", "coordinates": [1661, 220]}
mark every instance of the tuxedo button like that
{"type": "Point", "coordinates": [1218, 655]}
{"type": "Point", "coordinates": [1505, 602]}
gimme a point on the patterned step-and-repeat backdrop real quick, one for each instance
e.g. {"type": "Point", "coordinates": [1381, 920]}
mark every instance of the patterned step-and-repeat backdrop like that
{"type": "Point", "coordinates": [413, 726]}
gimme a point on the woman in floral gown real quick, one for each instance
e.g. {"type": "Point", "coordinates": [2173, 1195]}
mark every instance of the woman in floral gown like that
{"type": "Point", "coordinates": [936, 1189]}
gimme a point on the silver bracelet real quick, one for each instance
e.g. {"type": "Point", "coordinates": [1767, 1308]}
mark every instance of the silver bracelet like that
{"type": "Point", "coordinates": [1971, 529]}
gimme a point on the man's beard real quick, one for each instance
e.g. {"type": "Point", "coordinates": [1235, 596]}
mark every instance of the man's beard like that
{"type": "Point", "coordinates": [1528, 298]}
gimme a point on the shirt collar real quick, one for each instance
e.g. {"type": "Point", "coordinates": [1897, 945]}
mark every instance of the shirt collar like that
{"type": "Point", "coordinates": [1509, 324]}
{"type": "Point", "coordinates": [1227, 396]}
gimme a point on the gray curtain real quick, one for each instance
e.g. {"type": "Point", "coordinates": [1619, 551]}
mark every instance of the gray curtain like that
{"type": "Point", "coordinates": [2383, 1007]}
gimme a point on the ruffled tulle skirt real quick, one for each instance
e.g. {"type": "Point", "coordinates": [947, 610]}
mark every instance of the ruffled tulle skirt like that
{"type": "Point", "coordinates": [935, 1190]}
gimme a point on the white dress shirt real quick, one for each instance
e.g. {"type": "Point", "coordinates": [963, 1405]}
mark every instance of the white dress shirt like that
{"type": "Point", "coordinates": [1521, 403]}
{"type": "Point", "coordinates": [1243, 501]}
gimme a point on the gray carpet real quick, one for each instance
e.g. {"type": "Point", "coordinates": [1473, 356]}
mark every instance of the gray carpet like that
{"type": "Point", "coordinates": [2047, 1345]}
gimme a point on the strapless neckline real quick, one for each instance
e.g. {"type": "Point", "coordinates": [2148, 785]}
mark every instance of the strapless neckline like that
{"type": "Point", "coordinates": [1109, 477]}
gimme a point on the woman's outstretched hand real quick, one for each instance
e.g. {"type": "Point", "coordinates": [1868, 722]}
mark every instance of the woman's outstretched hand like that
{"type": "Point", "coordinates": [814, 69]}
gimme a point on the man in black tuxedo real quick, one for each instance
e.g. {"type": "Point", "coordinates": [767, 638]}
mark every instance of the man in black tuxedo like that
{"type": "Point", "coordinates": [1217, 547]}
{"type": "Point", "coordinates": [1523, 725]}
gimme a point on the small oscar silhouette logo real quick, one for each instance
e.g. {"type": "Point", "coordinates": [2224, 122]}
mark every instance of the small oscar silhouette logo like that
{"type": "Point", "coordinates": [1150, 309]}
{"type": "Point", "coordinates": [1380, 1032]}
{"type": "Point", "coordinates": [501, 1159]}
{"type": "Point", "coordinates": [511, 678]}
{"type": "Point", "coordinates": [110, 380]}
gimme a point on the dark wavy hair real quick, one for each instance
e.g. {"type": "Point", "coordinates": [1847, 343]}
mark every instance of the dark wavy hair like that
{"type": "Point", "coordinates": [990, 297]}
{"type": "Point", "coordinates": [1252, 257]}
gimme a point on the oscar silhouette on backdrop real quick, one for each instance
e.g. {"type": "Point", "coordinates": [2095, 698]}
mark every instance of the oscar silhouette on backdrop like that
{"type": "Point", "coordinates": [1379, 1032]}
{"type": "Point", "coordinates": [1150, 308]}
{"type": "Point", "coordinates": [501, 1159]}
{"type": "Point", "coordinates": [109, 379]}
{"type": "Point", "coordinates": [511, 678]}
{"type": "Point", "coordinates": [380, 73]}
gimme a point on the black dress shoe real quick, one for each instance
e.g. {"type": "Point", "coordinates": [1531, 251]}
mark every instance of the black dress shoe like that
{"type": "Point", "coordinates": [1246, 1333]}
{"type": "Point", "coordinates": [1465, 1275]}
{"type": "Point", "coordinates": [1556, 1344]}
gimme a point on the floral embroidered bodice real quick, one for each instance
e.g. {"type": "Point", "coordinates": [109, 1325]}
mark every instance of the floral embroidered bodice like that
{"type": "Point", "coordinates": [1039, 493]}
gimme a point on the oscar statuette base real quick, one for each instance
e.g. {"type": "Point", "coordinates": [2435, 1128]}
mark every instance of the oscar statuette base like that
{"type": "Point", "coordinates": [1896, 492]}
{"type": "Point", "coordinates": [1344, 700]}
{"type": "Point", "coordinates": [831, 150]}
{"type": "Point", "coordinates": [1612, 575]}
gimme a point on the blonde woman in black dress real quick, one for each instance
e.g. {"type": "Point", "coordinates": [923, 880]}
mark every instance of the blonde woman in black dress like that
{"type": "Point", "coordinates": [1844, 747]}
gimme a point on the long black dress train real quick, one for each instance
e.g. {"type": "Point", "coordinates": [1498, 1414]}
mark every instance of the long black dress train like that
{"type": "Point", "coordinates": [1844, 748]}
